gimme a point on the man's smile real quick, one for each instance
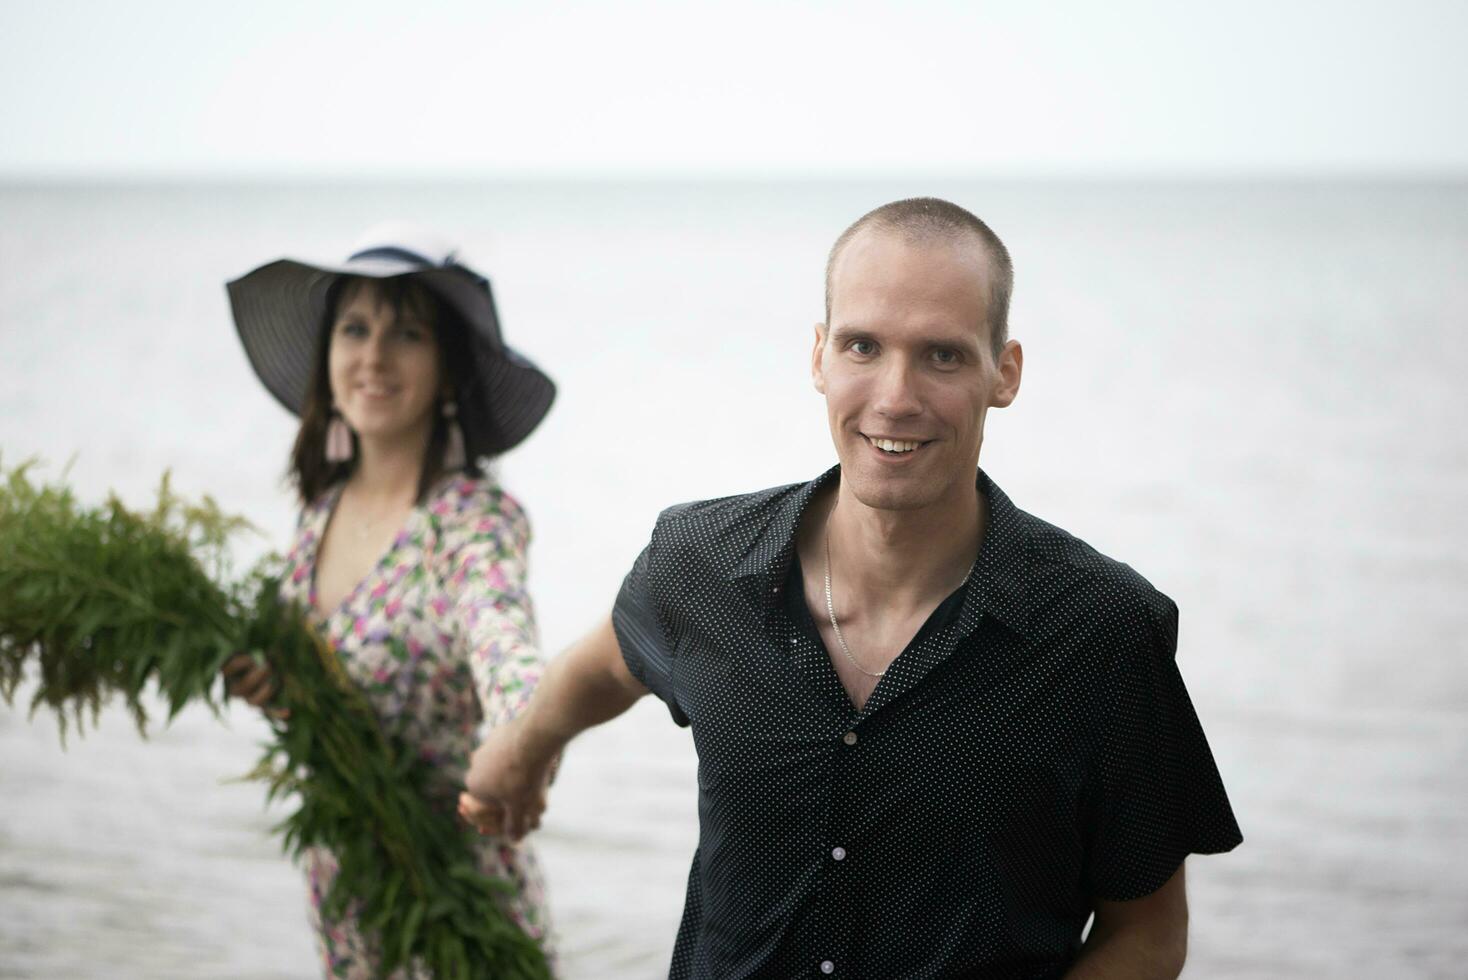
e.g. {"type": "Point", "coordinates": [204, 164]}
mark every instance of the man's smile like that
{"type": "Point", "coordinates": [892, 447]}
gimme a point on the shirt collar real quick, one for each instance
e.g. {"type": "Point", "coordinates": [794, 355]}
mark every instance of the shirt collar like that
{"type": "Point", "coordinates": [996, 587]}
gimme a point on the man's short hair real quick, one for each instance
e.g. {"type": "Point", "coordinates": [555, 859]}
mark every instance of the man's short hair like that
{"type": "Point", "coordinates": [931, 220]}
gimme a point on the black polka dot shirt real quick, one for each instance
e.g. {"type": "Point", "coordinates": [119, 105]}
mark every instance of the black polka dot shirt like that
{"type": "Point", "coordinates": [1032, 750]}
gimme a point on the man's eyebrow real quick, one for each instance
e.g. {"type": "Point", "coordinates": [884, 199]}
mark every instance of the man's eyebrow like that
{"type": "Point", "coordinates": [961, 341]}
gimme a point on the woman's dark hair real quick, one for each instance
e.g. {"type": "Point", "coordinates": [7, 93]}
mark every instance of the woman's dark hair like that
{"type": "Point", "coordinates": [309, 470]}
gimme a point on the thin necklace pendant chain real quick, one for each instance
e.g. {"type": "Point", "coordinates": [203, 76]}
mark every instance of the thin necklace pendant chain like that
{"type": "Point", "coordinates": [831, 611]}
{"type": "Point", "coordinates": [363, 528]}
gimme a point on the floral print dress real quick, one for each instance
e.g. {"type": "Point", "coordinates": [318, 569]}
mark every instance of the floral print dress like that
{"type": "Point", "coordinates": [441, 637]}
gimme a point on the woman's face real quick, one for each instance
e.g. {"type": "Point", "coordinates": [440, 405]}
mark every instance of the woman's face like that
{"type": "Point", "coordinates": [383, 366]}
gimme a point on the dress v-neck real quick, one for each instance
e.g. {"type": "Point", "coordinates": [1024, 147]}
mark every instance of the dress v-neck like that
{"type": "Point", "coordinates": [323, 618]}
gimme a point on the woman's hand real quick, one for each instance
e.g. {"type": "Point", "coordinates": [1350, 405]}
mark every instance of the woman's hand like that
{"type": "Point", "coordinates": [248, 676]}
{"type": "Point", "coordinates": [506, 784]}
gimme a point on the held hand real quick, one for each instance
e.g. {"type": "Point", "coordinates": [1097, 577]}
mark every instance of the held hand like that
{"type": "Point", "coordinates": [487, 818]}
{"type": "Point", "coordinates": [506, 784]}
{"type": "Point", "coordinates": [248, 676]}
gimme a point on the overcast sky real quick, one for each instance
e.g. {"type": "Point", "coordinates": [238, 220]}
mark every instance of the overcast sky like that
{"type": "Point", "coordinates": [483, 88]}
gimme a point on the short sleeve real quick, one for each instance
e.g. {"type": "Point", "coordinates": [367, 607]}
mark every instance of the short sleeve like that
{"type": "Point", "coordinates": [640, 634]}
{"type": "Point", "coordinates": [1158, 794]}
{"type": "Point", "coordinates": [494, 615]}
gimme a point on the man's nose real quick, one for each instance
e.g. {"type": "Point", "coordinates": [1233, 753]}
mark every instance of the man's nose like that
{"type": "Point", "coordinates": [896, 395]}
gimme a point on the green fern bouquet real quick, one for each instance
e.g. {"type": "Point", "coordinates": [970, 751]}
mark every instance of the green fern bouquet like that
{"type": "Point", "coordinates": [102, 601]}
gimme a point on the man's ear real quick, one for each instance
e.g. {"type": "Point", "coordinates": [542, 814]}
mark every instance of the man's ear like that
{"type": "Point", "coordinates": [817, 368]}
{"type": "Point", "coordinates": [1011, 367]}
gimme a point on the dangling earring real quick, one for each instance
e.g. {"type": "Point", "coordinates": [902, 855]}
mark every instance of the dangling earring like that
{"type": "Point", "coordinates": [338, 440]}
{"type": "Point", "coordinates": [453, 447]}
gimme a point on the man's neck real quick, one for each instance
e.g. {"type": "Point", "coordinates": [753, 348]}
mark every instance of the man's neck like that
{"type": "Point", "coordinates": [903, 560]}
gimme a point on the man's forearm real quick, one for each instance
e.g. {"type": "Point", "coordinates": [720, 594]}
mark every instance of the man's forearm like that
{"type": "Point", "coordinates": [1129, 955]}
{"type": "Point", "coordinates": [1143, 939]}
{"type": "Point", "coordinates": [583, 687]}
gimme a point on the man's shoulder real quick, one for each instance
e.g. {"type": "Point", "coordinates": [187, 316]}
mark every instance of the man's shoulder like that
{"type": "Point", "coordinates": [719, 513]}
{"type": "Point", "coordinates": [716, 534]}
{"type": "Point", "coordinates": [1068, 575]}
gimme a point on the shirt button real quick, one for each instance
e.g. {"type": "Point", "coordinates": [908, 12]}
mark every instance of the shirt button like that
{"type": "Point", "coordinates": [827, 966]}
{"type": "Point", "coordinates": [849, 738]}
{"type": "Point", "coordinates": [838, 853]}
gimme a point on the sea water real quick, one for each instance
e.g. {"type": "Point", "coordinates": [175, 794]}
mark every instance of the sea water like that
{"type": "Point", "coordinates": [1250, 392]}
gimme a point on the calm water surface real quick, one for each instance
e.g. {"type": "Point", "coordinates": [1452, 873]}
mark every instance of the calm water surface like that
{"type": "Point", "coordinates": [1251, 393]}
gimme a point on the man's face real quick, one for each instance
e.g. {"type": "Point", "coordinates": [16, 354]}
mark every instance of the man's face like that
{"type": "Point", "coordinates": [907, 369]}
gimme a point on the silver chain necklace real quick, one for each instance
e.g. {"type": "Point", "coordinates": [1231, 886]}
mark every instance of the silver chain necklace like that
{"type": "Point", "coordinates": [831, 611]}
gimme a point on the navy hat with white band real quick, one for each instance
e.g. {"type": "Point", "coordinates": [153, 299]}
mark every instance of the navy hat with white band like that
{"type": "Point", "coordinates": [279, 308]}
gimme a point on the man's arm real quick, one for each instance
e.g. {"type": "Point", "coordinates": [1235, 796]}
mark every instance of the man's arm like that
{"type": "Point", "coordinates": [587, 685]}
{"type": "Point", "coordinates": [1138, 940]}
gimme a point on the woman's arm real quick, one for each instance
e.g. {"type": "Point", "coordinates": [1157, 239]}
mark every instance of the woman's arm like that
{"type": "Point", "coordinates": [490, 603]}
{"type": "Point", "coordinates": [587, 685]}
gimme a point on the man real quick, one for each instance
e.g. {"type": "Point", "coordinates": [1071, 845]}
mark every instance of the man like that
{"type": "Point", "coordinates": [935, 734]}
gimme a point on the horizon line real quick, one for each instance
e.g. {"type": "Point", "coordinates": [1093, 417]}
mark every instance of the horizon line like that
{"type": "Point", "coordinates": [145, 177]}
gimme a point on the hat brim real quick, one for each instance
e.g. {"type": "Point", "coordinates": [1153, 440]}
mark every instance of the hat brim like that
{"type": "Point", "coordinates": [279, 308]}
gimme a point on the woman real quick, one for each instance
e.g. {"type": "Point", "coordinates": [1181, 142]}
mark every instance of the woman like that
{"type": "Point", "coordinates": [408, 556]}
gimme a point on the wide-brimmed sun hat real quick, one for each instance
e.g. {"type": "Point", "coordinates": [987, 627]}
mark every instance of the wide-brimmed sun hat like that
{"type": "Point", "coordinates": [279, 308]}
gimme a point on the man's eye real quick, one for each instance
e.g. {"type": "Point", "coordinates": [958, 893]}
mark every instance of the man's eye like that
{"type": "Point", "coordinates": [945, 356]}
{"type": "Point", "coordinates": [863, 347]}
{"type": "Point", "coordinates": [351, 328]}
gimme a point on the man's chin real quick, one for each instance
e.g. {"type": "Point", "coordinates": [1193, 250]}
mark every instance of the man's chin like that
{"type": "Point", "coordinates": [882, 491]}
